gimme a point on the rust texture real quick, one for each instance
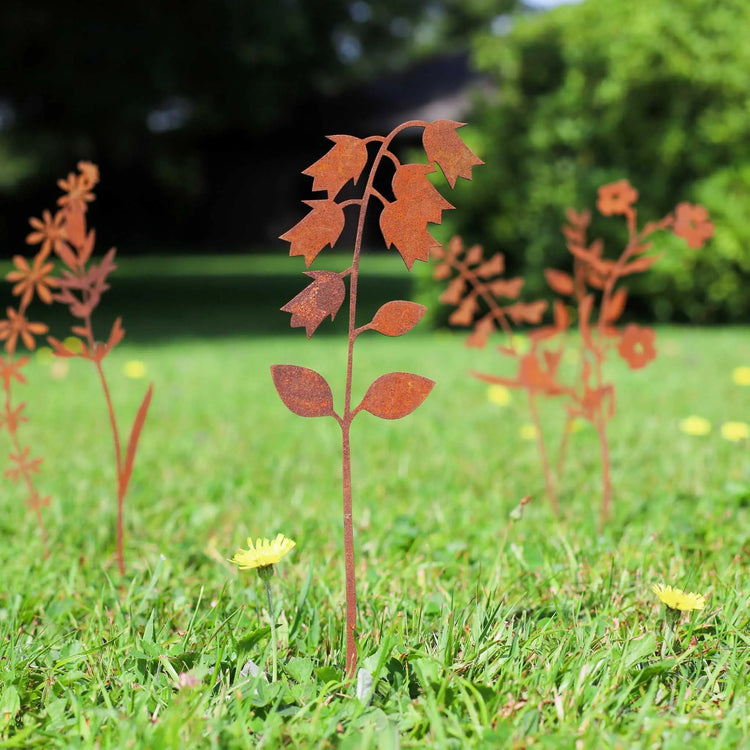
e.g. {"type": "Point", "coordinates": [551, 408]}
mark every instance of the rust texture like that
{"type": "Point", "coordinates": [403, 224]}
{"type": "Point", "coordinates": [29, 281]}
{"type": "Point", "coordinates": [594, 292]}
{"type": "Point", "coordinates": [80, 288]}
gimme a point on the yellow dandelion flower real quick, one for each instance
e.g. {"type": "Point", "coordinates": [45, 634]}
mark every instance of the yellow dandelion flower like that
{"type": "Point", "coordinates": [694, 425]}
{"type": "Point", "coordinates": [59, 369]}
{"type": "Point", "coordinates": [679, 599]}
{"type": "Point", "coordinates": [263, 553]}
{"type": "Point", "coordinates": [527, 431]}
{"type": "Point", "coordinates": [577, 424]}
{"type": "Point", "coordinates": [741, 375]}
{"type": "Point", "coordinates": [262, 556]}
{"type": "Point", "coordinates": [735, 431]}
{"type": "Point", "coordinates": [134, 369]}
{"type": "Point", "coordinates": [74, 344]}
{"type": "Point", "coordinates": [498, 394]}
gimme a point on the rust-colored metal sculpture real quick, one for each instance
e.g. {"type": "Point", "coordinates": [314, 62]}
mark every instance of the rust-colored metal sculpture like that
{"type": "Point", "coordinates": [80, 288]}
{"type": "Point", "coordinates": [595, 280]}
{"type": "Point", "coordinates": [29, 281]}
{"type": "Point", "coordinates": [403, 223]}
{"type": "Point", "coordinates": [489, 302]}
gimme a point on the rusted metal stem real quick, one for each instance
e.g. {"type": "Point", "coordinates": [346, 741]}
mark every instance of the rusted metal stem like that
{"type": "Point", "coordinates": [601, 420]}
{"type": "Point", "coordinates": [562, 451]}
{"type": "Point", "coordinates": [118, 464]}
{"type": "Point", "coordinates": [548, 479]}
{"type": "Point", "coordinates": [601, 428]}
{"type": "Point", "coordinates": [33, 494]}
{"type": "Point", "coordinates": [12, 429]}
{"type": "Point", "coordinates": [496, 311]}
{"type": "Point", "coordinates": [347, 416]}
{"type": "Point", "coordinates": [351, 593]}
{"type": "Point", "coordinates": [620, 264]}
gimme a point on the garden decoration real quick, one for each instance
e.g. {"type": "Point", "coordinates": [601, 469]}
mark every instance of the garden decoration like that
{"type": "Point", "coordinates": [28, 281]}
{"type": "Point", "coordinates": [80, 288]}
{"type": "Point", "coordinates": [403, 223]}
{"type": "Point", "coordinates": [480, 297]}
{"type": "Point", "coordinates": [479, 282]}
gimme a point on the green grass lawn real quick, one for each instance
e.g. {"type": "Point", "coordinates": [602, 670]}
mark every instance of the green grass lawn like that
{"type": "Point", "coordinates": [479, 631]}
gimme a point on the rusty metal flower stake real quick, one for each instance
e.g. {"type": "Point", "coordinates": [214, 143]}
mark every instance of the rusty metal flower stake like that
{"type": "Point", "coordinates": [489, 302]}
{"type": "Point", "coordinates": [81, 286]}
{"type": "Point", "coordinates": [595, 280]}
{"type": "Point", "coordinates": [29, 281]}
{"type": "Point", "coordinates": [403, 223]}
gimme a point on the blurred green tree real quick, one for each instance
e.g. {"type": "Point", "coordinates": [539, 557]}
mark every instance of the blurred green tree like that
{"type": "Point", "coordinates": [655, 92]}
{"type": "Point", "coordinates": [162, 94]}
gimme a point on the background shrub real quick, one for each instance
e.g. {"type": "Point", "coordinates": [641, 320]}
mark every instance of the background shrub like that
{"type": "Point", "coordinates": [655, 92]}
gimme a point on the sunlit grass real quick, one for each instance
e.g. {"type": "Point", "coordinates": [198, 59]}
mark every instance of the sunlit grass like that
{"type": "Point", "coordinates": [477, 632]}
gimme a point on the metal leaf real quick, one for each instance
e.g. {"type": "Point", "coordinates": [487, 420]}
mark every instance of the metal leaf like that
{"type": "Point", "coordinates": [397, 318]}
{"type": "Point", "coordinates": [303, 391]}
{"type": "Point", "coordinates": [396, 394]}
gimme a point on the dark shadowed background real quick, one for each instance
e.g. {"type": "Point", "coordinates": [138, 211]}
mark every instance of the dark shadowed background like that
{"type": "Point", "coordinates": [202, 115]}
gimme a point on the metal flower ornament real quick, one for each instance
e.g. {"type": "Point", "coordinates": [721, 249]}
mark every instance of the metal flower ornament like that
{"type": "Point", "coordinates": [29, 281]}
{"type": "Point", "coordinates": [595, 291]}
{"type": "Point", "coordinates": [80, 288]}
{"type": "Point", "coordinates": [415, 203]}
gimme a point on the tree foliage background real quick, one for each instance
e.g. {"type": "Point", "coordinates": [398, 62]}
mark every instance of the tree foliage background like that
{"type": "Point", "coordinates": [191, 107]}
{"type": "Point", "coordinates": [182, 103]}
{"type": "Point", "coordinates": [655, 92]}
